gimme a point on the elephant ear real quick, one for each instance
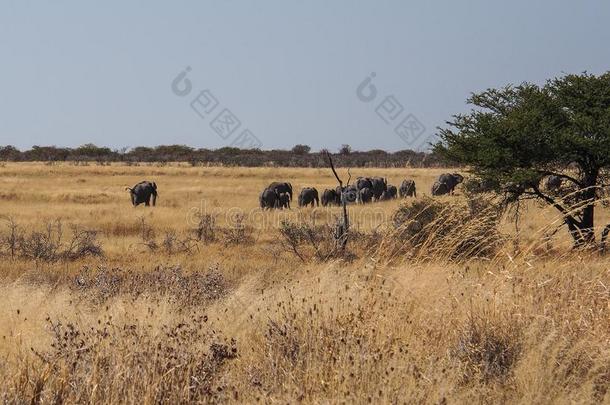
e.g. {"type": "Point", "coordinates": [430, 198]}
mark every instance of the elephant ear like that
{"type": "Point", "coordinates": [154, 185]}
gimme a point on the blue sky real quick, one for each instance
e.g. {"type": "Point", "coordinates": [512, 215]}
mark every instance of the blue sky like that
{"type": "Point", "coordinates": [76, 72]}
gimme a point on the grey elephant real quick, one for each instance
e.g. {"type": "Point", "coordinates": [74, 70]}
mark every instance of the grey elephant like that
{"type": "Point", "coordinates": [363, 182]}
{"type": "Point", "coordinates": [439, 188]}
{"type": "Point", "coordinates": [269, 199]}
{"type": "Point", "coordinates": [143, 192]}
{"type": "Point", "coordinates": [390, 193]}
{"type": "Point", "coordinates": [407, 189]}
{"type": "Point", "coordinates": [280, 188]}
{"type": "Point", "coordinates": [451, 180]}
{"type": "Point", "coordinates": [330, 197]}
{"type": "Point", "coordinates": [365, 195]}
{"type": "Point", "coordinates": [476, 185]}
{"type": "Point", "coordinates": [308, 196]}
{"type": "Point", "coordinates": [379, 186]}
{"type": "Point", "coordinates": [349, 194]}
{"type": "Point", "coordinates": [284, 201]}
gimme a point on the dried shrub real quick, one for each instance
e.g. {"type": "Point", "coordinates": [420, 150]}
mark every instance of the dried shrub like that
{"type": "Point", "coordinates": [173, 244]}
{"type": "Point", "coordinates": [206, 228]}
{"type": "Point", "coordinates": [51, 244]}
{"type": "Point", "coordinates": [181, 364]}
{"type": "Point", "coordinates": [433, 229]}
{"type": "Point", "coordinates": [186, 289]}
{"type": "Point", "coordinates": [311, 242]}
{"type": "Point", "coordinates": [239, 233]}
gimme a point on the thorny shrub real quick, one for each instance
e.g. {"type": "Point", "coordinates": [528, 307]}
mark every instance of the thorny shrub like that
{"type": "Point", "coordinates": [239, 233]}
{"type": "Point", "coordinates": [311, 242]}
{"type": "Point", "coordinates": [50, 244]}
{"type": "Point", "coordinates": [206, 228]}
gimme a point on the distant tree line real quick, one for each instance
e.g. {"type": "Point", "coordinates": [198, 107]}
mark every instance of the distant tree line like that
{"type": "Point", "coordinates": [298, 156]}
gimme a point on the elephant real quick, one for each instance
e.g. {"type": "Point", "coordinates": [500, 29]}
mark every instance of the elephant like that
{"type": "Point", "coordinates": [407, 189]}
{"type": "Point", "coordinates": [476, 185]}
{"type": "Point", "coordinates": [142, 193]}
{"type": "Point", "coordinates": [331, 197]}
{"type": "Point", "coordinates": [281, 188]}
{"type": "Point", "coordinates": [379, 185]}
{"type": "Point", "coordinates": [553, 183]}
{"type": "Point", "coordinates": [363, 182]}
{"type": "Point", "coordinates": [269, 199]}
{"type": "Point", "coordinates": [439, 188]}
{"type": "Point", "coordinates": [390, 193]}
{"type": "Point", "coordinates": [309, 195]}
{"type": "Point", "coordinates": [284, 200]}
{"type": "Point", "coordinates": [365, 195]}
{"type": "Point", "coordinates": [451, 180]}
{"type": "Point", "coordinates": [349, 194]}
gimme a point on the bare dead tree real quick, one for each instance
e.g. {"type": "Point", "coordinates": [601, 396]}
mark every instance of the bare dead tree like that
{"type": "Point", "coordinates": [341, 231]}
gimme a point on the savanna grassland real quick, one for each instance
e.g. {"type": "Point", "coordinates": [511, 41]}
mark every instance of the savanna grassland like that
{"type": "Point", "coordinates": [204, 298]}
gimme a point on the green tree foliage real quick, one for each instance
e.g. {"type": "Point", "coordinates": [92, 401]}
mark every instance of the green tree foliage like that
{"type": "Point", "coordinates": [345, 149]}
{"type": "Point", "coordinates": [301, 149]}
{"type": "Point", "coordinates": [517, 136]}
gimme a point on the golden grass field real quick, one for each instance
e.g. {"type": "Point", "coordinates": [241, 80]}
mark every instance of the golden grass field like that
{"type": "Point", "coordinates": [164, 317]}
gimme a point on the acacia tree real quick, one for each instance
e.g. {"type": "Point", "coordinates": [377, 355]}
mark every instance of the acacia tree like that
{"type": "Point", "coordinates": [516, 136]}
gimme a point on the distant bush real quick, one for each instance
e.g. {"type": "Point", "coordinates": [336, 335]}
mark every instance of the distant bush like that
{"type": "Point", "coordinates": [298, 156]}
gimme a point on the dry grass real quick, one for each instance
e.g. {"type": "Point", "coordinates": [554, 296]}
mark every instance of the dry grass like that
{"type": "Point", "coordinates": [435, 302]}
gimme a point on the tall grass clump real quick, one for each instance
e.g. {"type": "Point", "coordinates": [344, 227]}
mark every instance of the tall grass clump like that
{"type": "Point", "coordinates": [116, 362]}
{"type": "Point", "coordinates": [432, 229]}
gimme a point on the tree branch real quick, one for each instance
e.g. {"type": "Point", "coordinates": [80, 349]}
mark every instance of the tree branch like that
{"type": "Point", "coordinates": [563, 176]}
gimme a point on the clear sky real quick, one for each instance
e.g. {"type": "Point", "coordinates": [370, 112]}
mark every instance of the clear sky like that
{"type": "Point", "coordinates": [76, 72]}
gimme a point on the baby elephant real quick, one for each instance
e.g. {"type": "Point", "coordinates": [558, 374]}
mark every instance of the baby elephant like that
{"type": "Point", "coordinates": [284, 200]}
{"type": "Point", "coordinates": [331, 197]}
{"type": "Point", "coordinates": [142, 193]}
{"type": "Point", "coordinates": [407, 189]}
{"type": "Point", "coordinates": [389, 194]}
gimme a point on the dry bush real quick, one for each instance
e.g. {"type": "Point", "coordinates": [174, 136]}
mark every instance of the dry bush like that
{"type": "Point", "coordinates": [51, 244]}
{"type": "Point", "coordinates": [190, 289]}
{"type": "Point", "coordinates": [170, 244]}
{"type": "Point", "coordinates": [173, 244]}
{"type": "Point", "coordinates": [239, 233]}
{"type": "Point", "coordinates": [115, 362]}
{"type": "Point", "coordinates": [309, 242]}
{"type": "Point", "coordinates": [431, 229]}
{"type": "Point", "coordinates": [206, 228]}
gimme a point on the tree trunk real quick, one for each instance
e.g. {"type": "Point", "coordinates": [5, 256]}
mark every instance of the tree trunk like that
{"type": "Point", "coordinates": [583, 231]}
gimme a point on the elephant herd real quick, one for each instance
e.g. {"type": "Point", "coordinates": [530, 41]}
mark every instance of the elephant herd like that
{"type": "Point", "coordinates": [279, 195]}
{"type": "Point", "coordinates": [363, 191]}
